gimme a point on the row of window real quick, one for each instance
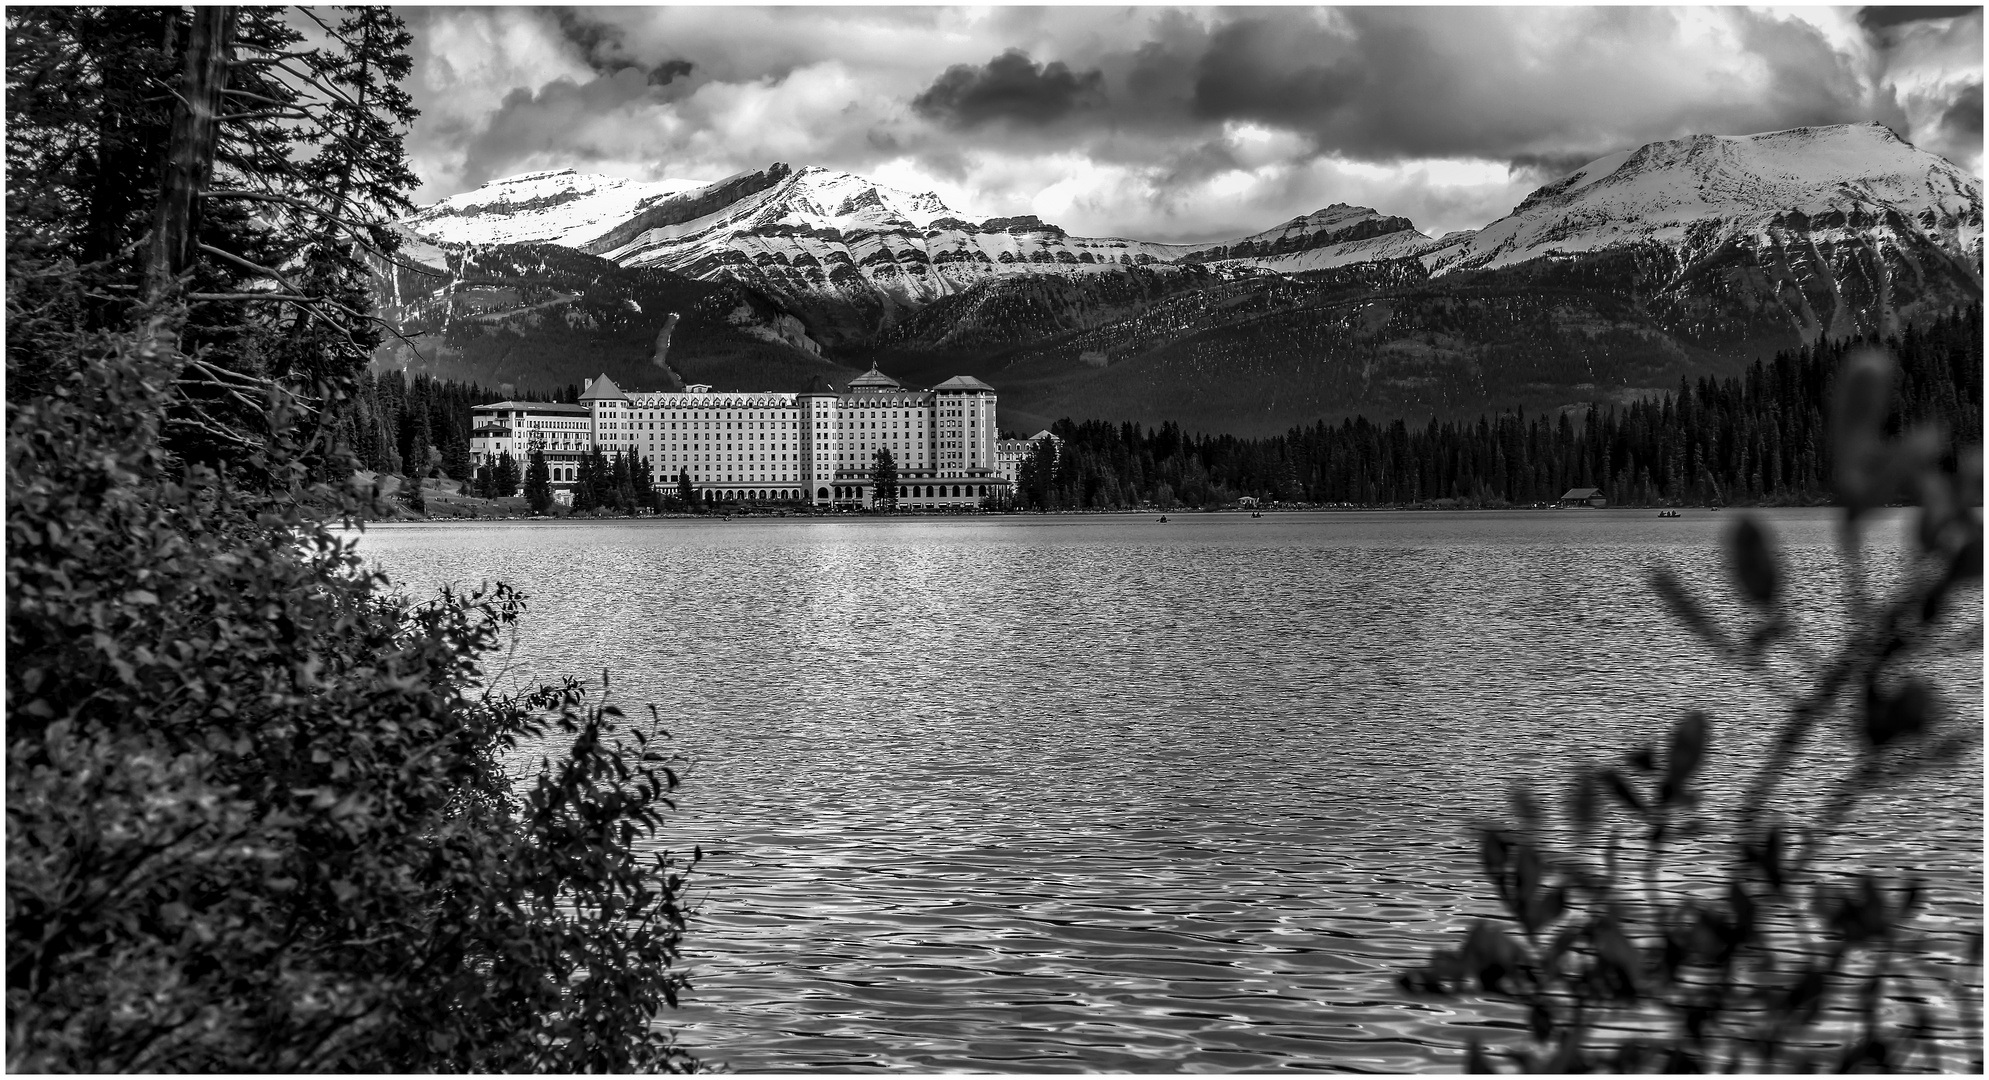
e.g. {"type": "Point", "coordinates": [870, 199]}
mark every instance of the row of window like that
{"type": "Point", "coordinates": [920, 491]}
{"type": "Point", "coordinates": [916, 491]}
{"type": "Point", "coordinates": [783, 414]}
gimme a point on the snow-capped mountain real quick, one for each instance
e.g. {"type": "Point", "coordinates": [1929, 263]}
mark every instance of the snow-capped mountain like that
{"type": "Point", "coordinates": [1709, 189]}
{"type": "Point", "coordinates": [1339, 235]}
{"type": "Point", "coordinates": [1681, 257]}
{"type": "Point", "coordinates": [819, 239]}
{"type": "Point", "coordinates": [824, 240]}
{"type": "Point", "coordinates": [1849, 227]}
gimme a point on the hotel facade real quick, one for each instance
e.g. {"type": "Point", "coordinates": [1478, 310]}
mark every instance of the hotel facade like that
{"type": "Point", "coordinates": [816, 446]}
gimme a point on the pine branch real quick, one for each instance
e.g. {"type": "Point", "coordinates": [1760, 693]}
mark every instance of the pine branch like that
{"type": "Point", "coordinates": [311, 306]}
{"type": "Point", "coordinates": [217, 371]}
{"type": "Point", "coordinates": [290, 297]}
{"type": "Point", "coordinates": [352, 228]}
{"type": "Point", "coordinates": [268, 58]}
{"type": "Point", "coordinates": [258, 97]}
{"type": "Point", "coordinates": [265, 114]}
{"type": "Point", "coordinates": [201, 422]}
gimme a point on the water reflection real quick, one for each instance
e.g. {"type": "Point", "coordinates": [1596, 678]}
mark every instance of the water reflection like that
{"type": "Point", "coordinates": [1076, 794]}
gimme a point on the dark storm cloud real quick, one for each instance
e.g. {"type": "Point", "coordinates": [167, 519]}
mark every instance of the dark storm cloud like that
{"type": "Point", "coordinates": [1962, 122]}
{"type": "Point", "coordinates": [604, 47]}
{"type": "Point", "coordinates": [1814, 83]}
{"type": "Point", "coordinates": [1515, 85]}
{"type": "Point", "coordinates": [599, 43]}
{"type": "Point", "coordinates": [1876, 18]}
{"type": "Point", "coordinates": [1009, 87]}
{"type": "Point", "coordinates": [1167, 121]}
{"type": "Point", "coordinates": [669, 71]}
{"type": "Point", "coordinates": [1283, 73]}
{"type": "Point", "coordinates": [529, 122]}
{"type": "Point", "coordinates": [1546, 168]}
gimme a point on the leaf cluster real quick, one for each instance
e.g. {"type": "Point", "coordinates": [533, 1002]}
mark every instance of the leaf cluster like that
{"type": "Point", "coordinates": [257, 812]}
{"type": "Point", "coordinates": [1622, 968]}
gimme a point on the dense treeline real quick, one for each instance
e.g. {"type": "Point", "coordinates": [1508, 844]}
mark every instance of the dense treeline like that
{"type": "Point", "coordinates": [419, 426]}
{"type": "Point", "coordinates": [1757, 438]}
{"type": "Point", "coordinates": [615, 482]}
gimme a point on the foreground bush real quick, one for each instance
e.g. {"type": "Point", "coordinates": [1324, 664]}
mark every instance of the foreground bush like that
{"type": "Point", "coordinates": [256, 817]}
{"type": "Point", "coordinates": [1794, 964]}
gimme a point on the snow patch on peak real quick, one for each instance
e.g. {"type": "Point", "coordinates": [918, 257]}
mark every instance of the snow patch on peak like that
{"type": "Point", "coordinates": [559, 206]}
{"type": "Point", "coordinates": [528, 176]}
{"type": "Point", "coordinates": [845, 201]}
{"type": "Point", "coordinates": [1596, 170]}
{"type": "Point", "coordinates": [1707, 185]}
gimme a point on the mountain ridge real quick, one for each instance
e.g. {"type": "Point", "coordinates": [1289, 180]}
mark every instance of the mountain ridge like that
{"type": "Point", "coordinates": [1681, 257]}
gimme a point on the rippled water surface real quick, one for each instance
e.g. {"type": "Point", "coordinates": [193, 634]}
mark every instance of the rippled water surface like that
{"type": "Point", "coordinates": [1069, 793]}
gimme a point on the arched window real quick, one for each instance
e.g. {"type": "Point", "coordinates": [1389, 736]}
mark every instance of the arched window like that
{"type": "Point", "coordinates": [822, 493]}
{"type": "Point", "coordinates": [982, 490]}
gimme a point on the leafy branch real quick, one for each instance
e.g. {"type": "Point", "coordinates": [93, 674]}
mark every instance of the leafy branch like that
{"type": "Point", "coordinates": [1758, 973]}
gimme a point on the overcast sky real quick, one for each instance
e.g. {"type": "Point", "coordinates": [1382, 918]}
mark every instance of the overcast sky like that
{"type": "Point", "coordinates": [1167, 123]}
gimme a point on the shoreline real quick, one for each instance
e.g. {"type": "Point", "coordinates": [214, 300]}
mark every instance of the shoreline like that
{"type": "Point", "coordinates": [1027, 515]}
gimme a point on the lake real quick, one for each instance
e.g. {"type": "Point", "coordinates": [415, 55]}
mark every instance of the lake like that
{"type": "Point", "coordinates": [1093, 792]}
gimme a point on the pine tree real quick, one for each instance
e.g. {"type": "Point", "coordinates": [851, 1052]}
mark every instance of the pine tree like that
{"type": "Point", "coordinates": [626, 498]}
{"type": "Point", "coordinates": [601, 479]}
{"type": "Point", "coordinates": [583, 485]}
{"type": "Point", "coordinates": [504, 479]}
{"type": "Point", "coordinates": [686, 494]}
{"type": "Point", "coordinates": [220, 174]}
{"type": "Point", "coordinates": [1037, 477]}
{"type": "Point", "coordinates": [484, 483]}
{"type": "Point", "coordinates": [884, 480]}
{"type": "Point", "coordinates": [538, 482]}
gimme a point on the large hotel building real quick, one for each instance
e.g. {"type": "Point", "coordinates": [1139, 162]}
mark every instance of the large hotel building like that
{"type": "Point", "coordinates": [817, 446]}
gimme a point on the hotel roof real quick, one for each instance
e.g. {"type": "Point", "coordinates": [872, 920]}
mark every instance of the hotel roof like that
{"type": "Point", "coordinates": [964, 382]}
{"type": "Point", "coordinates": [873, 380]}
{"type": "Point", "coordinates": [602, 389]}
{"type": "Point", "coordinates": [537, 406]}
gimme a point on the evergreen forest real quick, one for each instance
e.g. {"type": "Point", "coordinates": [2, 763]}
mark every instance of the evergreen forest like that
{"type": "Point", "coordinates": [1757, 439]}
{"type": "Point", "coordinates": [418, 425]}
